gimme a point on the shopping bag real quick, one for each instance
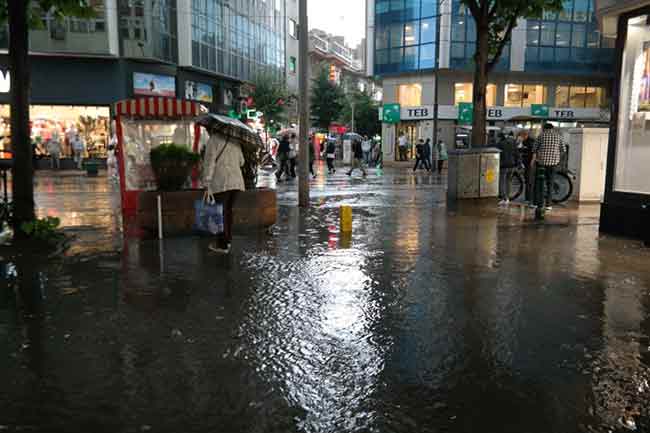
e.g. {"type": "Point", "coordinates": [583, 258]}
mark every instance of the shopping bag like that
{"type": "Point", "coordinates": [208, 216]}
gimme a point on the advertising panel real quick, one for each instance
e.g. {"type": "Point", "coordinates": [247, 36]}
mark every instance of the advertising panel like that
{"type": "Point", "coordinates": [154, 85]}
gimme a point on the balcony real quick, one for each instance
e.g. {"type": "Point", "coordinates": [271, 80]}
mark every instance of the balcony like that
{"type": "Point", "coordinates": [342, 52]}
{"type": "Point", "coordinates": [319, 44]}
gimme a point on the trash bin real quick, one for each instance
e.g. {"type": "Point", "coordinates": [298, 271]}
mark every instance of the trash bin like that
{"type": "Point", "coordinates": [92, 167]}
{"type": "Point", "coordinates": [473, 173]}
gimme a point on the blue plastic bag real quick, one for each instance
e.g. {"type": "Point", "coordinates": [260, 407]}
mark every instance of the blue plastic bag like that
{"type": "Point", "coordinates": [208, 216]}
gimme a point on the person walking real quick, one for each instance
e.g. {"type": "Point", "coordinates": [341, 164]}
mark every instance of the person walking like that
{"type": "Point", "coordinates": [78, 151]}
{"type": "Point", "coordinates": [402, 145]}
{"type": "Point", "coordinates": [508, 165]}
{"type": "Point", "coordinates": [223, 179]}
{"type": "Point", "coordinates": [53, 147]}
{"type": "Point", "coordinates": [284, 149]}
{"type": "Point", "coordinates": [312, 156]}
{"type": "Point", "coordinates": [293, 154]}
{"type": "Point", "coordinates": [442, 155]}
{"type": "Point", "coordinates": [427, 154]}
{"type": "Point", "coordinates": [366, 147]}
{"type": "Point", "coordinates": [357, 158]}
{"type": "Point", "coordinates": [419, 156]}
{"type": "Point", "coordinates": [547, 156]}
{"type": "Point", "coordinates": [330, 156]}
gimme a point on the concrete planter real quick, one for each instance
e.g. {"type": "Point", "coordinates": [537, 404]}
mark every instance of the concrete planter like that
{"type": "Point", "coordinates": [252, 210]}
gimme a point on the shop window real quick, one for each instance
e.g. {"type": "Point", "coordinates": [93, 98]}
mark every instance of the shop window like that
{"type": "Point", "coordinates": [464, 92]}
{"type": "Point", "coordinates": [409, 95]}
{"type": "Point", "coordinates": [562, 96]}
{"type": "Point", "coordinates": [633, 140]}
{"type": "Point", "coordinates": [525, 95]}
{"type": "Point", "coordinates": [293, 29]}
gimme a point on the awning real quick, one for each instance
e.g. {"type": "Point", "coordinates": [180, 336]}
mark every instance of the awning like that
{"type": "Point", "coordinates": [608, 12]}
{"type": "Point", "coordinates": [159, 107]}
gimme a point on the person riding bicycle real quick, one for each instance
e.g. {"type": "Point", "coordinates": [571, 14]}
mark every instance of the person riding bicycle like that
{"type": "Point", "coordinates": [547, 156]}
{"type": "Point", "coordinates": [526, 147]}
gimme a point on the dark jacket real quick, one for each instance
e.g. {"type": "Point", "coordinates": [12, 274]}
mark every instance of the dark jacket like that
{"type": "Point", "coordinates": [356, 149]}
{"type": "Point", "coordinates": [427, 150]}
{"type": "Point", "coordinates": [331, 147]}
{"type": "Point", "coordinates": [285, 146]}
{"type": "Point", "coordinates": [508, 152]}
{"type": "Point", "coordinates": [419, 149]}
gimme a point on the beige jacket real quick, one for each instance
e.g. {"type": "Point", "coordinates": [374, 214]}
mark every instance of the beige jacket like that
{"type": "Point", "coordinates": [225, 174]}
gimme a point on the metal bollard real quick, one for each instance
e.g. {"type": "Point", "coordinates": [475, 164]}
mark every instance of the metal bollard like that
{"type": "Point", "coordinates": [540, 210]}
{"type": "Point", "coordinates": [345, 216]}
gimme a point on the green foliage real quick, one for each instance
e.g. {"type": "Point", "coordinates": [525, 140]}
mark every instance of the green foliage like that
{"type": "Point", "coordinates": [327, 99]}
{"type": "Point", "coordinates": [499, 18]}
{"type": "Point", "coordinates": [172, 165]}
{"type": "Point", "coordinates": [58, 9]}
{"type": "Point", "coordinates": [366, 112]}
{"type": "Point", "coordinates": [173, 152]}
{"type": "Point", "coordinates": [271, 98]}
{"type": "Point", "coordinates": [43, 230]}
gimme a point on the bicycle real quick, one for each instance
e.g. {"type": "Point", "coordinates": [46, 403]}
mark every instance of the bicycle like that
{"type": "Point", "coordinates": [562, 184]}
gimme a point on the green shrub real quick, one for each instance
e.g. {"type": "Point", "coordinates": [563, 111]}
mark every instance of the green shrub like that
{"type": "Point", "coordinates": [43, 230]}
{"type": "Point", "coordinates": [172, 165]}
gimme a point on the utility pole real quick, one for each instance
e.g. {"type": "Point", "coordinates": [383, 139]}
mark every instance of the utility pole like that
{"type": "Point", "coordinates": [436, 105]}
{"type": "Point", "coordinates": [353, 130]}
{"type": "Point", "coordinates": [303, 65]}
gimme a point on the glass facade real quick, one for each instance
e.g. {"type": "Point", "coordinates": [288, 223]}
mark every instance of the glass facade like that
{"type": "Point", "coordinates": [464, 92]}
{"type": "Point", "coordinates": [405, 37]}
{"type": "Point", "coordinates": [148, 29]}
{"type": "Point", "coordinates": [568, 41]}
{"type": "Point", "coordinates": [241, 38]}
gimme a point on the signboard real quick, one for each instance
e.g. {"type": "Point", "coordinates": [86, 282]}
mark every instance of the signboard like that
{"type": "Point", "coordinates": [424, 112]}
{"type": "Point", "coordinates": [154, 85]}
{"type": "Point", "coordinates": [539, 110]}
{"type": "Point", "coordinates": [391, 113]}
{"type": "Point", "coordinates": [465, 113]}
{"type": "Point", "coordinates": [5, 81]}
{"type": "Point", "coordinates": [198, 92]}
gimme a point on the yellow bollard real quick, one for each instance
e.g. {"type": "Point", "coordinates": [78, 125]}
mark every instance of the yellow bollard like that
{"type": "Point", "coordinates": [345, 215]}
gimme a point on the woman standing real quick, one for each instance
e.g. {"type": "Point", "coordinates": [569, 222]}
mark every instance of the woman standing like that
{"type": "Point", "coordinates": [223, 178]}
{"type": "Point", "coordinates": [442, 155]}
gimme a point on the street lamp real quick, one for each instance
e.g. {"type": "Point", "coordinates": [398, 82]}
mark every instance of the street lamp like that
{"type": "Point", "coordinates": [436, 104]}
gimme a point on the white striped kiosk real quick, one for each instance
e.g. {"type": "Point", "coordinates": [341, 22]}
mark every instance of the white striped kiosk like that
{"type": "Point", "coordinates": [135, 119]}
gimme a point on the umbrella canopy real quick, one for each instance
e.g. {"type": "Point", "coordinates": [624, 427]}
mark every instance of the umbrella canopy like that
{"type": "Point", "coordinates": [287, 131]}
{"type": "Point", "coordinates": [352, 136]}
{"type": "Point", "coordinates": [233, 128]}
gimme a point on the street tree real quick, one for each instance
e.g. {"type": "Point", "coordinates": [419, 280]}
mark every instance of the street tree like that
{"type": "Point", "coordinates": [272, 98]}
{"type": "Point", "coordinates": [20, 16]}
{"type": "Point", "coordinates": [495, 20]}
{"type": "Point", "coordinates": [327, 99]}
{"type": "Point", "coordinates": [366, 112]}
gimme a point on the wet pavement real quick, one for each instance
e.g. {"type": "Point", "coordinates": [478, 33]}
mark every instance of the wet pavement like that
{"type": "Point", "coordinates": [428, 318]}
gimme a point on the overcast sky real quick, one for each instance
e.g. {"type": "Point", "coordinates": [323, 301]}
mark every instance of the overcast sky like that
{"type": "Point", "coordinates": [339, 17]}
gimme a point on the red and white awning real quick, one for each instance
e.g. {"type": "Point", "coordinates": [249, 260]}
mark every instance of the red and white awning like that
{"type": "Point", "coordinates": [159, 107]}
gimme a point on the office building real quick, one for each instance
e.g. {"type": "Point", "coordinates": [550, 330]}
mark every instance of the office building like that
{"type": "Point", "coordinates": [206, 50]}
{"type": "Point", "coordinates": [560, 62]}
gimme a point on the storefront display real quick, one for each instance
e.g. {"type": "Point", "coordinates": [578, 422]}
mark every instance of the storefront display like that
{"type": "Point", "coordinates": [633, 149]}
{"type": "Point", "coordinates": [91, 123]}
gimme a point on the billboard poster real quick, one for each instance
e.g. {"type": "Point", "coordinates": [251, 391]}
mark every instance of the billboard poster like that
{"type": "Point", "coordinates": [198, 92]}
{"type": "Point", "coordinates": [154, 85]}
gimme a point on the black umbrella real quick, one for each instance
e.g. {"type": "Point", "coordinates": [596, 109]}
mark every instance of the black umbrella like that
{"type": "Point", "coordinates": [233, 128]}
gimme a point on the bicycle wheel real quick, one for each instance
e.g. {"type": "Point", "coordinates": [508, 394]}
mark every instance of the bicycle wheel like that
{"type": "Point", "coordinates": [562, 188]}
{"type": "Point", "coordinates": [516, 186]}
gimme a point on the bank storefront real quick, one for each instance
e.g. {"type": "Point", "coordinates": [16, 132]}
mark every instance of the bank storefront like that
{"type": "Point", "coordinates": [626, 207]}
{"type": "Point", "coordinates": [417, 122]}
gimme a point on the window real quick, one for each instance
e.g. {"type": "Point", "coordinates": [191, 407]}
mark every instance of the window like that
{"type": "Point", "coordinates": [562, 96]}
{"type": "Point", "coordinates": [411, 33]}
{"type": "Point", "coordinates": [409, 95]}
{"type": "Point", "coordinates": [292, 65]}
{"type": "Point", "coordinates": [293, 29]}
{"type": "Point", "coordinates": [525, 95]}
{"type": "Point", "coordinates": [464, 92]}
{"type": "Point", "coordinates": [633, 140]}
{"type": "Point", "coordinates": [428, 31]}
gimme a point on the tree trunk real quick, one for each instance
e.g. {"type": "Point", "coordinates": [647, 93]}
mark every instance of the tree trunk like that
{"type": "Point", "coordinates": [23, 170]}
{"type": "Point", "coordinates": [480, 86]}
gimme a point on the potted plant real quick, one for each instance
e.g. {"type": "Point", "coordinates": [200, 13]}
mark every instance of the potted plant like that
{"type": "Point", "coordinates": [172, 164]}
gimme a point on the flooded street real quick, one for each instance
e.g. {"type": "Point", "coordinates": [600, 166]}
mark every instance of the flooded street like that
{"type": "Point", "coordinates": [428, 318]}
